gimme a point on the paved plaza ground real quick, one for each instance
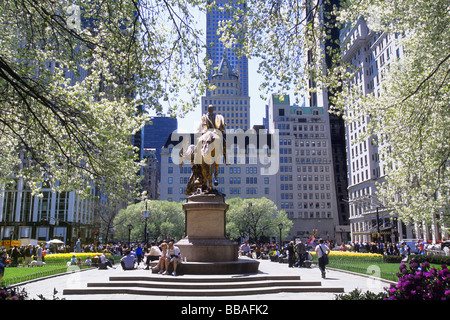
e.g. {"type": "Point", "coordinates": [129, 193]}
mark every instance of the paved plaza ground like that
{"type": "Point", "coordinates": [335, 278]}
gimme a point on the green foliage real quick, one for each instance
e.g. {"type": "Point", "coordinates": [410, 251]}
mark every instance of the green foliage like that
{"type": "Point", "coordinates": [357, 294]}
{"type": "Point", "coordinates": [433, 259]}
{"type": "Point", "coordinates": [166, 217]}
{"type": "Point", "coordinates": [259, 219]}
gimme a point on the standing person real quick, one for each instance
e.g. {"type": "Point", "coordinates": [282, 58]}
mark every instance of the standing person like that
{"type": "Point", "coordinates": [291, 254]}
{"type": "Point", "coordinates": [3, 264]}
{"type": "Point", "coordinates": [39, 253]}
{"type": "Point", "coordinates": [139, 254]}
{"type": "Point", "coordinates": [78, 244]}
{"type": "Point", "coordinates": [27, 254]}
{"type": "Point", "coordinates": [173, 256]}
{"type": "Point", "coordinates": [15, 254]}
{"type": "Point", "coordinates": [301, 251]}
{"type": "Point", "coordinates": [322, 251]}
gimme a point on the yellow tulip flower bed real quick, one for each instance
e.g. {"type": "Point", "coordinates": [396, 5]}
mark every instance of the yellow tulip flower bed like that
{"type": "Point", "coordinates": [65, 257]}
{"type": "Point", "coordinates": [349, 256]}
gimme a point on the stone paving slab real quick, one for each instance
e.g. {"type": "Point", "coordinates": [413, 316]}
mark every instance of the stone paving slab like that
{"type": "Point", "coordinates": [79, 280]}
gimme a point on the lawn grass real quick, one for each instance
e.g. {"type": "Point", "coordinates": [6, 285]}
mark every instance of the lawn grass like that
{"type": "Point", "coordinates": [19, 274]}
{"type": "Point", "coordinates": [385, 271]}
{"type": "Point", "coordinates": [14, 275]}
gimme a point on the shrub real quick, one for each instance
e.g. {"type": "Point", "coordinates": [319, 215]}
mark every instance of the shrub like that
{"type": "Point", "coordinates": [392, 259]}
{"type": "Point", "coordinates": [357, 294]}
{"type": "Point", "coordinates": [13, 294]}
{"type": "Point", "coordinates": [435, 259]}
{"type": "Point", "coordinates": [421, 283]}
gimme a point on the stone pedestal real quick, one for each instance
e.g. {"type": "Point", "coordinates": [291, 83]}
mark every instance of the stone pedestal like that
{"type": "Point", "coordinates": [205, 247]}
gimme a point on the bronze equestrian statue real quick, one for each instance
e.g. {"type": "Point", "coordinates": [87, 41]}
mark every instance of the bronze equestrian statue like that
{"type": "Point", "coordinates": [206, 154]}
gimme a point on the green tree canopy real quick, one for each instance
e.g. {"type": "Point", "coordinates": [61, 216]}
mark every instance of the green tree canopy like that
{"type": "Point", "coordinates": [255, 218]}
{"type": "Point", "coordinates": [166, 218]}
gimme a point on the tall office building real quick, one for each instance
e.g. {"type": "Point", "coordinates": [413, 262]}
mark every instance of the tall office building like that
{"type": "Point", "coordinates": [217, 50]}
{"type": "Point", "coordinates": [305, 184]}
{"type": "Point", "coordinates": [229, 74]}
{"type": "Point", "coordinates": [154, 134]}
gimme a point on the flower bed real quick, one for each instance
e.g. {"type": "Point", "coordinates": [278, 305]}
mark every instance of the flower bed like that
{"type": "Point", "coordinates": [421, 283]}
{"type": "Point", "coordinates": [65, 257]}
{"type": "Point", "coordinates": [352, 257]}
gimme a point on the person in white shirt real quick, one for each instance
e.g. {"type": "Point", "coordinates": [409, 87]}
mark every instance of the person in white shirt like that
{"type": "Point", "coordinates": [153, 255]}
{"type": "Point", "coordinates": [105, 261]}
{"type": "Point", "coordinates": [173, 256]}
{"type": "Point", "coordinates": [322, 251]}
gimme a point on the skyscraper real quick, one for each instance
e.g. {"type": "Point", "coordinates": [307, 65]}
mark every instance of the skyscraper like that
{"type": "Point", "coordinates": [305, 186]}
{"type": "Point", "coordinates": [217, 49]}
{"type": "Point", "coordinates": [229, 73]}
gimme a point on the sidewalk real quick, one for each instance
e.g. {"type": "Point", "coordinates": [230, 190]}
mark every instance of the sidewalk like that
{"type": "Point", "coordinates": [79, 279]}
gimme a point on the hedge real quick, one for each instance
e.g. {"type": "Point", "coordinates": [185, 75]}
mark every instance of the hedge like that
{"type": "Point", "coordinates": [435, 259]}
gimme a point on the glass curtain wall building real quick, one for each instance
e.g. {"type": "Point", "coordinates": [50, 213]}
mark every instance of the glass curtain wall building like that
{"type": "Point", "coordinates": [217, 49]}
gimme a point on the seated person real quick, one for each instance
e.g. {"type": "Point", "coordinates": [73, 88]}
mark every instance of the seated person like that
{"type": "Point", "coordinates": [245, 249]}
{"type": "Point", "coordinates": [162, 259]}
{"type": "Point", "coordinates": [128, 261]}
{"type": "Point", "coordinates": [88, 261]}
{"type": "Point", "coordinates": [173, 256]}
{"type": "Point", "coordinates": [153, 255]}
{"type": "Point", "coordinates": [104, 261]}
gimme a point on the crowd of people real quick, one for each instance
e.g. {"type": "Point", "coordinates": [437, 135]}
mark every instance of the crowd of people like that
{"type": "Point", "coordinates": [400, 248]}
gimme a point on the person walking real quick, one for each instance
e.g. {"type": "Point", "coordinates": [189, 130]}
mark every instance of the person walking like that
{"type": "Point", "coordinates": [322, 252]}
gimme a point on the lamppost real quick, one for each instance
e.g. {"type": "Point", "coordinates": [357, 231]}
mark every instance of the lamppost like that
{"type": "Point", "coordinates": [249, 208]}
{"type": "Point", "coordinates": [280, 226]}
{"type": "Point", "coordinates": [130, 226]}
{"type": "Point", "coordinates": [146, 215]}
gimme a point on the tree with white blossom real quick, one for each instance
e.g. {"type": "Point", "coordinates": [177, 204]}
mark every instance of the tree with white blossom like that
{"type": "Point", "coordinates": [73, 77]}
{"type": "Point", "coordinates": [411, 116]}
